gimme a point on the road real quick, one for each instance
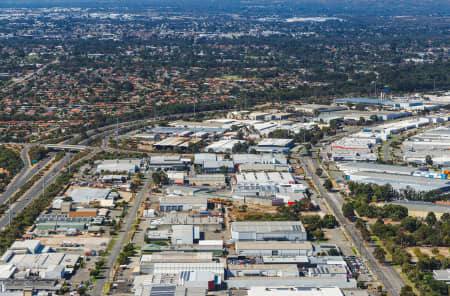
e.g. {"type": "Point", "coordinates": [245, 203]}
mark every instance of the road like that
{"type": "Point", "coordinates": [120, 242]}
{"type": "Point", "coordinates": [24, 175]}
{"type": "Point", "coordinates": [387, 274]}
{"type": "Point", "coordinates": [34, 192]}
{"type": "Point", "coordinates": [386, 146]}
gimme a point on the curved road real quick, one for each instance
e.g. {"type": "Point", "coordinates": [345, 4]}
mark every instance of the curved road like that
{"type": "Point", "coordinates": [24, 175]}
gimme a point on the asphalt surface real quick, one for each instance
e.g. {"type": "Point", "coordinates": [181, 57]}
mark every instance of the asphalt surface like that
{"type": "Point", "coordinates": [120, 242]}
{"type": "Point", "coordinates": [387, 274]}
{"type": "Point", "coordinates": [34, 192]}
{"type": "Point", "coordinates": [24, 175]}
{"type": "Point", "coordinates": [386, 146]}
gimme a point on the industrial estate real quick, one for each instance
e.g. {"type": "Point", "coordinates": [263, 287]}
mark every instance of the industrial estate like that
{"type": "Point", "coordinates": [129, 166]}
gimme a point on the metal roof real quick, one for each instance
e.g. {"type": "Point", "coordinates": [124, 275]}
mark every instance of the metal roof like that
{"type": "Point", "coordinates": [268, 226]}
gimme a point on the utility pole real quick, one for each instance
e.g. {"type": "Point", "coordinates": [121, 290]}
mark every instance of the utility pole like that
{"type": "Point", "coordinates": [117, 133]}
{"type": "Point", "coordinates": [9, 212]}
{"type": "Point", "coordinates": [43, 187]}
{"type": "Point", "coordinates": [376, 90]}
{"type": "Point", "coordinates": [69, 162]}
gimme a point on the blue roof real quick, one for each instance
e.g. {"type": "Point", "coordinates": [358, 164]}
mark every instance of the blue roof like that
{"type": "Point", "coordinates": [364, 101]}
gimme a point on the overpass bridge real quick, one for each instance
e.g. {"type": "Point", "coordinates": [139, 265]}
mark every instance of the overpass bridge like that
{"type": "Point", "coordinates": [65, 147]}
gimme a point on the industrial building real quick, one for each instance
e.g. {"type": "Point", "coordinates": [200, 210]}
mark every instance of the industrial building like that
{"type": "Point", "coordinates": [399, 182]}
{"type": "Point", "coordinates": [280, 270]}
{"type": "Point", "coordinates": [264, 230]}
{"type": "Point", "coordinates": [353, 167]}
{"type": "Point", "coordinates": [26, 259]}
{"type": "Point", "coordinates": [270, 145]}
{"type": "Point", "coordinates": [265, 178]}
{"type": "Point", "coordinates": [284, 193]}
{"type": "Point", "coordinates": [421, 209]}
{"type": "Point", "coordinates": [435, 143]}
{"type": "Point", "coordinates": [185, 234]}
{"type": "Point", "coordinates": [86, 195]}
{"type": "Point", "coordinates": [301, 282]}
{"type": "Point", "coordinates": [119, 165]}
{"type": "Point", "coordinates": [294, 291]}
{"type": "Point", "coordinates": [168, 162]}
{"type": "Point", "coordinates": [268, 158]}
{"type": "Point", "coordinates": [216, 180]}
{"type": "Point", "coordinates": [353, 149]}
{"type": "Point", "coordinates": [274, 248]}
{"type": "Point", "coordinates": [223, 146]}
{"type": "Point", "coordinates": [185, 203]}
{"type": "Point", "coordinates": [442, 275]}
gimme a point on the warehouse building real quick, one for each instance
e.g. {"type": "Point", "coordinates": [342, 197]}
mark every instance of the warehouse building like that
{"type": "Point", "coordinates": [399, 182]}
{"type": "Point", "coordinates": [120, 165]}
{"type": "Point", "coordinates": [294, 291]}
{"type": "Point", "coordinates": [263, 231]}
{"type": "Point", "coordinates": [353, 167]}
{"type": "Point", "coordinates": [168, 162]}
{"type": "Point", "coordinates": [301, 282]}
{"type": "Point", "coordinates": [274, 248]}
{"type": "Point", "coordinates": [265, 178]}
{"type": "Point", "coordinates": [216, 180]}
{"type": "Point", "coordinates": [86, 195]}
{"type": "Point", "coordinates": [185, 234]}
{"type": "Point", "coordinates": [276, 270]}
{"type": "Point", "coordinates": [274, 145]}
{"type": "Point", "coordinates": [259, 159]}
{"type": "Point", "coordinates": [442, 275]}
{"type": "Point", "coordinates": [353, 149]}
{"type": "Point", "coordinates": [26, 259]}
{"type": "Point", "coordinates": [223, 146]}
{"type": "Point", "coordinates": [420, 209]}
{"type": "Point", "coordinates": [185, 203]}
{"type": "Point", "coordinates": [170, 285]}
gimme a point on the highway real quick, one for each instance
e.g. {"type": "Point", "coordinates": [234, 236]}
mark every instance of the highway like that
{"type": "Point", "coordinates": [24, 175]}
{"type": "Point", "coordinates": [387, 274]}
{"type": "Point", "coordinates": [33, 192]}
{"type": "Point", "coordinates": [120, 242]}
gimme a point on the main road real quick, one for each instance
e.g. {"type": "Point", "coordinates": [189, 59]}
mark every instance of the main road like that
{"type": "Point", "coordinates": [24, 175]}
{"type": "Point", "coordinates": [387, 274]}
{"type": "Point", "coordinates": [121, 240]}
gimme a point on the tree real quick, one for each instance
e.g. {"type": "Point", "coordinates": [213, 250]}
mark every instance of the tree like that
{"type": "Point", "coordinates": [407, 291]}
{"type": "Point", "coordinates": [380, 254]}
{"type": "Point", "coordinates": [319, 172]}
{"type": "Point", "coordinates": [348, 210]}
{"type": "Point", "coordinates": [328, 184]}
{"type": "Point", "coordinates": [431, 218]}
{"type": "Point", "coordinates": [428, 160]}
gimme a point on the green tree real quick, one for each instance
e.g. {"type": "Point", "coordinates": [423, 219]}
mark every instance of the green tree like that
{"type": "Point", "coordinates": [407, 291]}
{"type": "Point", "coordinates": [429, 160]}
{"type": "Point", "coordinates": [328, 184]}
{"type": "Point", "coordinates": [348, 210]}
{"type": "Point", "coordinates": [380, 254]}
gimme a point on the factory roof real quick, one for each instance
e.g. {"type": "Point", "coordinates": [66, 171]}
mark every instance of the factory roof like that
{"type": "Point", "coordinates": [181, 257]}
{"type": "Point", "coordinates": [442, 275]}
{"type": "Point", "coordinates": [268, 226]}
{"type": "Point", "coordinates": [265, 177]}
{"type": "Point", "coordinates": [375, 167]}
{"type": "Point", "coordinates": [364, 101]}
{"type": "Point", "coordinates": [403, 181]}
{"type": "Point", "coordinates": [259, 158]}
{"type": "Point", "coordinates": [183, 200]}
{"type": "Point", "coordinates": [275, 142]}
{"type": "Point", "coordinates": [86, 195]}
{"type": "Point", "coordinates": [422, 206]}
{"type": "Point", "coordinates": [293, 291]}
{"type": "Point", "coordinates": [177, 218]}
{"type": "Point", "coordinates": [274, 245]}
